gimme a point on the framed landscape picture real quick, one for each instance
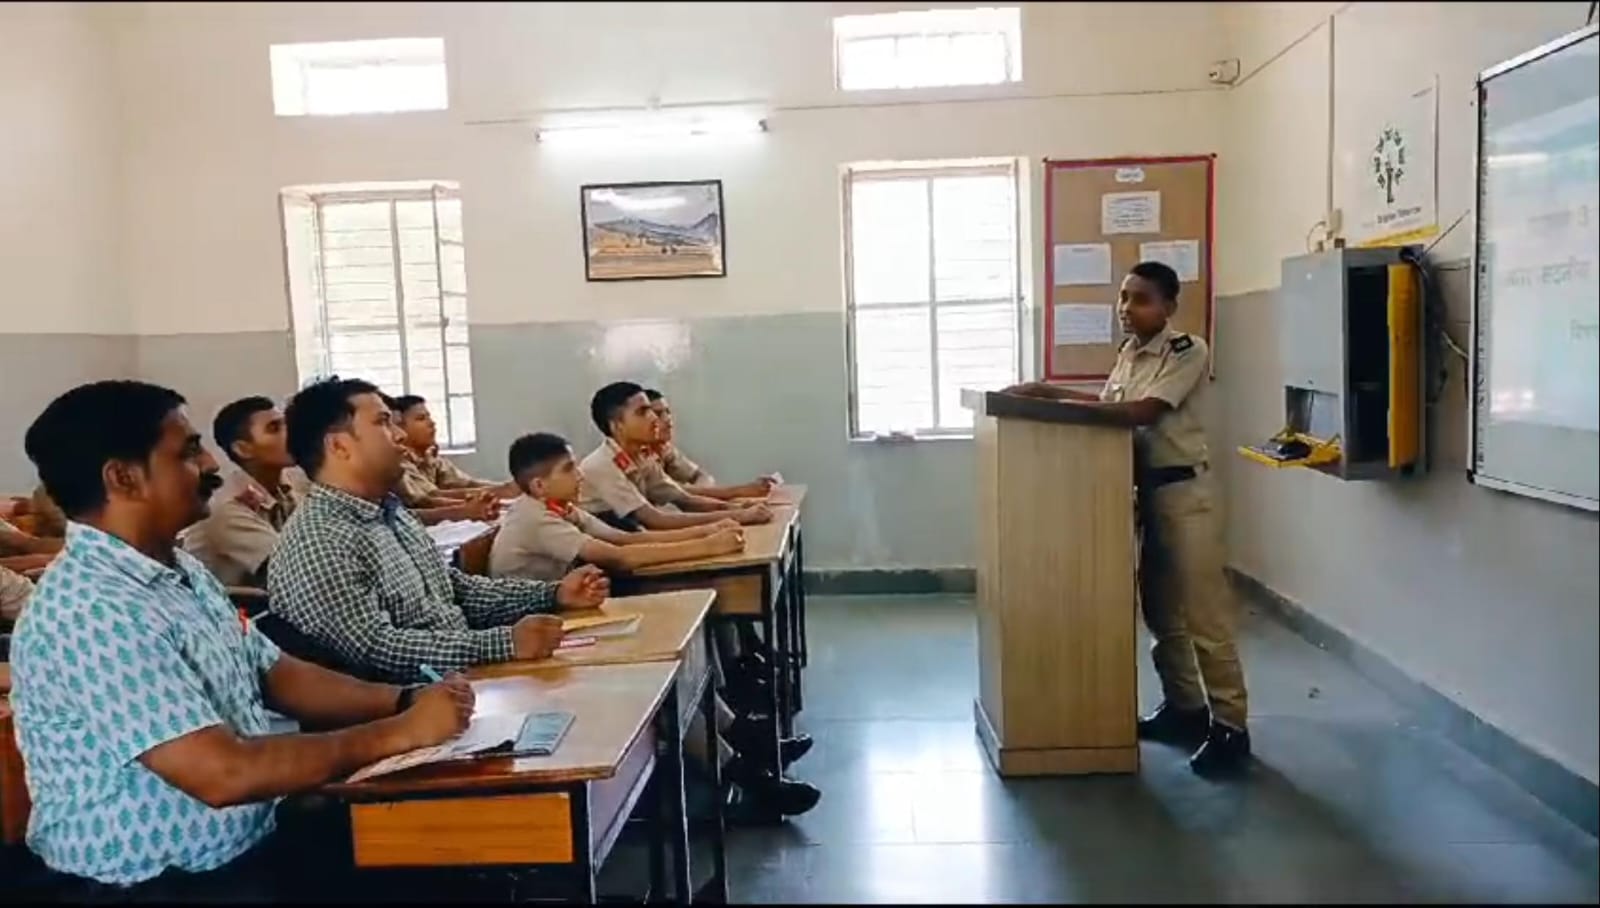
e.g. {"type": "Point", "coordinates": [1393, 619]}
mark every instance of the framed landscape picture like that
{"type": "Point", "coordinates": [642, 231]}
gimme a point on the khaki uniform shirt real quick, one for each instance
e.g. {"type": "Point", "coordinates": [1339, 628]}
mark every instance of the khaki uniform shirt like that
{"type": "Point", "coordinates": [540, 540]}
{"type": "Point", "coordinates": [680, 469]}
{"type": "Point", "coordinates": [426, 474]}
{"type": "Point", "coordinates": [240, 534]}
{"type": "Point", "coordinates": [617, 482]}
{"type": "Point", "coordinates": [1171, 367]}
{"type": "Point", "coordinates": [15, 590]}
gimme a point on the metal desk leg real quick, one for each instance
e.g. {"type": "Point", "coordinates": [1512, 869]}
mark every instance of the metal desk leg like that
{"type": "Point", "coordinates": [583, 870]}
{"type": "Point", "coordinates": [776, 675]}
{"type": "Point", "coordinates": [778, 630]}
{"type": "Point", "coordinates": [800, 592]}
{"type": "Point", "coordinates": [796, 636]}
{"type": "Point", "coordinates": [719, 848]}
{"type": "Point", "coordinates": [668, 782]}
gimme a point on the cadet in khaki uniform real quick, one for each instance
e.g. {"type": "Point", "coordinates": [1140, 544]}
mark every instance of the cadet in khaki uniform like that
{"type": "Point", "coordinates": [1187, 604]}
{"type": "Point", "coordinates": [249, 510]}
{"type": "Point", "coordinates": [429, 474]}
{"type": "Point", "coordinates": [686, 472]}
{"type": "Point", "coordinates": [545, 533]}
{"type": "Point", "coordinates": [624, 477]}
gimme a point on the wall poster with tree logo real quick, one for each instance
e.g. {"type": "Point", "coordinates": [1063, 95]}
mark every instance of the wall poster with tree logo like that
{"type": "Point", "coordinates": [1388, 169]}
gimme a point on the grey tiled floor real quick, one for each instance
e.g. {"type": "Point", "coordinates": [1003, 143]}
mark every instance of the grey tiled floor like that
{"type": "Point", "coordinates": [1348, 800]}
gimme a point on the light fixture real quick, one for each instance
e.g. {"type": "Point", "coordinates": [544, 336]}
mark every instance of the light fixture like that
{"type": "Point", "coordinates": [653, 127]}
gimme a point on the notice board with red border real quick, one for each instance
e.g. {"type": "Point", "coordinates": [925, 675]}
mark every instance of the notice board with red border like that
{"type": "Point", "coordinates": [1154, 207]}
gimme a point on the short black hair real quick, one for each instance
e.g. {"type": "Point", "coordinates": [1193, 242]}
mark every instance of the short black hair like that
{"type": "Point", "coordinates": [1165, 279]}
{"type": "Point", "coordinates": [652, 395]}
{"type": "Point", "coordinates": [404, 402]}
{"type": "Point", "coordinates": [318, 409]}
{"type": "Point", "coordinates": [608, 400]}
{"type": "Point", "coordinates": [532, 455]}
{"type": "Point", "coordinates": [388, 401]}
{"type": "Point", "coordinates": [83, 429]}
{"type": "Point", "coordinates": [233, 422]}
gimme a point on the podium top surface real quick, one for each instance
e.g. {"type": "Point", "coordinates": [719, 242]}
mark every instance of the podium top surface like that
{"type": "Point", "coordinates": [1011, 406]}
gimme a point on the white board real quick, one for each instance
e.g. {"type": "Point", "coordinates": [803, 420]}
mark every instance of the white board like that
{"type": "Point", "coordinates": [1536, 287]}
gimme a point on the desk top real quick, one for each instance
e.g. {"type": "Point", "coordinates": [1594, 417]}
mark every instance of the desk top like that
{"type": "Point", "coordinates": [611, 704]}
{"type": "Point", "coordinates": [763, 544]}
{"type": "Point", "coordinates": [788, 493]}
{"type": "Point", "coordinates": [667, 626]}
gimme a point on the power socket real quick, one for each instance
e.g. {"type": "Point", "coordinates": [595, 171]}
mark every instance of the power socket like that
{"type": "Point", "coordinates": [1333, 223]}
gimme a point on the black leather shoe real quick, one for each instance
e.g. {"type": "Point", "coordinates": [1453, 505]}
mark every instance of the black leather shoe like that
{"type": "Point", "coordinates": [1171, 725]}
{"type": "Point", "coordinates": [1225, 751]}
{"type": "Point", "coordinates": [749, 736]}
{"type": "Point", "coordinates": [769, 801]}
{"type": "Point", "coordinates": [792, 749]}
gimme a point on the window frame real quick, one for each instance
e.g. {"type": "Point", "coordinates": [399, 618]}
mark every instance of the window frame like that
{"type": "Point", "coordinates": [1012, 60]}
{"type": "Point", "coordinates": [929, 171]}
{"type": "Point", "coordinates": [432, 192]}
{"type": "Point", "coordinates": [358, 52]}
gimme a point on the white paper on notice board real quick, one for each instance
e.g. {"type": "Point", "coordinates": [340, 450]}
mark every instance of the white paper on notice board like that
{"type": "Point", "coordinates": [1182, 256]}
{"type": "Point", "coordinates": [1130, 212]}
{"type": "Point", "coordinates": [1082, 264]}
{"type": "Point", "coordinates": [1077, 324]}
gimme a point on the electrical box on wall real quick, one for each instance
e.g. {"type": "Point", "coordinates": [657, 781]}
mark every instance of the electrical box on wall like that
{"type": "Point", "coordinates": [1350, 340]}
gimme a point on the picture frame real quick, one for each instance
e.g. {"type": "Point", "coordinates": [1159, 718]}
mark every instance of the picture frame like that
{"type": "Point", "coordinates": [657, 230]}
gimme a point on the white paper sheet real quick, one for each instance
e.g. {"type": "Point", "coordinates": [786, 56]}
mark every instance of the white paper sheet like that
{"type": "Point", "coordinates": [1082, 264]}
{"type": "Point", "coordinates": [1079, 324]}
{"type": "Point", "coordinates": [1130, 212]}
{"type": "Point", "coordinates": [453, 534]}
{"type": "Point", "coordinates": [483, 733]}
{"type": "Point", "coordinates": [1182, 256]}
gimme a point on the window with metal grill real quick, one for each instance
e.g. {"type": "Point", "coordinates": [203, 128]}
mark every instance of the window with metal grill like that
{"type": "Point", "coordinates": [378, 290]}
{"type": "Point", "coordinates": [932, 294]}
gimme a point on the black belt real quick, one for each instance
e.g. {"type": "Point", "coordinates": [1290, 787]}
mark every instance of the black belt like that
{"type": "Point", "coordinates": [1153, 478]}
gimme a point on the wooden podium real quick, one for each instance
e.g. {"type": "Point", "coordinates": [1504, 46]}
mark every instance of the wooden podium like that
{"type": "Point", "coordinates": [1058, 690]}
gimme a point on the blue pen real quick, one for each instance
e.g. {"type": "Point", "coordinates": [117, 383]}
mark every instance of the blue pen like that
{"type": "Point", "coordinates": [429, 673]}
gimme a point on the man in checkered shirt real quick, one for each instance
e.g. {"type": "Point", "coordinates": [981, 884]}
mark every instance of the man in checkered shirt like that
{"type": "Point", "coordinates": [358, 575]}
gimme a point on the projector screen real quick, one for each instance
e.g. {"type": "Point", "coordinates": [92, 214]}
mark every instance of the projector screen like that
{"type": "Point", "coordinates": [1536, 302]}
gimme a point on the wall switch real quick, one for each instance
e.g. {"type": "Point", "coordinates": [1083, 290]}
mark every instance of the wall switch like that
{"type": "Point", "coordinates": [1334, 222]}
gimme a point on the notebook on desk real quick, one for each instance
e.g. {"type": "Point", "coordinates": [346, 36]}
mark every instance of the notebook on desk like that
{"type": "Point", "coordinates": [500, 735]}
{"type": "Point", "coordinates": [610, 624]}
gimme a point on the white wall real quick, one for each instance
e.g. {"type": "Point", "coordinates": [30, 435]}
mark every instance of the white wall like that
{"type": "Point", "coordinates": [58, 178]}
{"type": "Point", "coordinates": [204, 149]}
{"type": "Point", "coordinates": [1488, 598]}
{"type": "Point", "coordinates": [60, 311]}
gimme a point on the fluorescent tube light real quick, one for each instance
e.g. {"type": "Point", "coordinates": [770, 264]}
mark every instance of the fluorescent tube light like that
{"type": "Point", "coordinates": [651, 129]}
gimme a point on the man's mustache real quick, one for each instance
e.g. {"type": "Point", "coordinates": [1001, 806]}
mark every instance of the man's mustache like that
{"type": "Point", "coordinates": [209, 483]}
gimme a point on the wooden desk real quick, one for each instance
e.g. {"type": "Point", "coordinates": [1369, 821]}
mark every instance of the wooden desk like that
{"type": "Point", "coordinates": [795, 496]}
{"type": "Point", "coordinates": [560, 814]}
{"type": "Point", "coordinates": [789, 494]}
{"type": "Point", "coordinates": [759, 585]}
{"type": "Point", "coordinates": [473, 556]}
{"type": "Point", "coordinates": [673, 627]}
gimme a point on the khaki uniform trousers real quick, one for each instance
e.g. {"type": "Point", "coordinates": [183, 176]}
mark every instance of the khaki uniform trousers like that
{"type": "Point", "coordinates": [1187, 603]}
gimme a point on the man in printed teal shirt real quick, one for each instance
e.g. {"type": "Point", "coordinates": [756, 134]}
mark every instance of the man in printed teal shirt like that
{"type": "Point", "coordinates": [142, 695]}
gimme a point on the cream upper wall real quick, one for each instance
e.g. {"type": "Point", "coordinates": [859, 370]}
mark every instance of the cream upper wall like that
{"type": "Point", "coordinates": [58, 177]}
{"type": "Point", "coordinates": [205, 157]}
{"type": "Point", "coordinates": [1273, 175]}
